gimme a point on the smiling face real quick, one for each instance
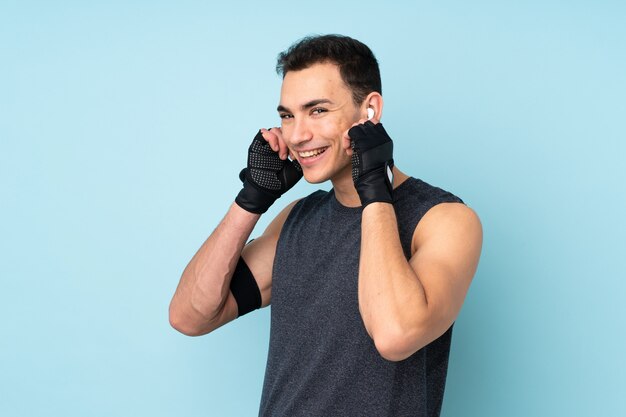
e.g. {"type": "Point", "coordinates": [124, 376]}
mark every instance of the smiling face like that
{"type": "Point", "coordinates": [316, 108]}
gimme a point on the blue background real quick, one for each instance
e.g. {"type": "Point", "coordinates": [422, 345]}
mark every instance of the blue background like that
{"type": "Point", "coordinates": [123, 128]}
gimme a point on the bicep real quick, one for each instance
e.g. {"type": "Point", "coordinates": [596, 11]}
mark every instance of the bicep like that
{"type": "Point", "coordinates": [447, 245]}
{"type": "Point", "coordinates": [259, 254]}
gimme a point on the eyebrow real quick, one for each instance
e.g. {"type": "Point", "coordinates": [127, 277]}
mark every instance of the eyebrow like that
{"type": "Point", "coordinates": [306, 105]}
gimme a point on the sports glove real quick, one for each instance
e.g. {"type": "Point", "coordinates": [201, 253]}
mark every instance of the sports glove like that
{"type": "Point", "coordinates": [266, 177]}
{"type": "Point", "coordinates": [372, 163]}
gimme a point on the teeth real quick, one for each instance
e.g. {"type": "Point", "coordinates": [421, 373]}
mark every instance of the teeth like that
{"type": "Point", "coordinates": [314, 152]}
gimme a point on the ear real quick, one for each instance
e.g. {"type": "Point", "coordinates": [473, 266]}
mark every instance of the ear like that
{"type": "Point", "coordinates": [373, 101]}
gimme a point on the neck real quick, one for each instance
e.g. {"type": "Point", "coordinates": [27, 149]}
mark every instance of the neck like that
{"type": "Point", "coordinates": [346, 193]}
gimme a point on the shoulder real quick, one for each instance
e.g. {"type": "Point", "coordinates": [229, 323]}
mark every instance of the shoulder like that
{"type": "Point", "coordinates": [436, 212]}
{"type": "Point", "coordinates": [451, 222]}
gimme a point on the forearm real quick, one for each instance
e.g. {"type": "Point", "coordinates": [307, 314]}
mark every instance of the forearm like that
{"type": "Point", "coordinates": [205, 282]}
{"type": "Point", "coordinates": [392, 300]}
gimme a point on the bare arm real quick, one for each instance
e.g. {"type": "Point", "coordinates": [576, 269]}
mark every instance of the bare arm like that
{"type": "Point", "coordinates": [198, 305]}
{"type": "Point", "coordinates": [203, 301]}
{"type": "Point", "coordinates": [407, 304]}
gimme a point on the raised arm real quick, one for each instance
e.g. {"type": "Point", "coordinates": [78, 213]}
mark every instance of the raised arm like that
{"type": "Point", "coordinates": [203, 300]}
{"type": "Point", "coordinates": [407, 304]}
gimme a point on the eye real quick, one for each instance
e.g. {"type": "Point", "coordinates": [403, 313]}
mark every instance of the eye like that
{"type": "Point", "coordinates": [318, 111]}
{"type": "Point", "coordinates": [285, 116]}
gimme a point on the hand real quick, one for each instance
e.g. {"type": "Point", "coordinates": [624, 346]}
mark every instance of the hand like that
{"type": "Point", "coordinates": [372, 162]}
{"type": "Point", "coordinates": [274, 136]}
{"type": "Point", "coordinates": [269, 174]}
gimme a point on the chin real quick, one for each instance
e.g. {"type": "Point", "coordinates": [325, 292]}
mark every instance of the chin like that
{"type": "Point", "coordinates": [318, 176]}
{"type": "Point", "coordinates": [314, 178]}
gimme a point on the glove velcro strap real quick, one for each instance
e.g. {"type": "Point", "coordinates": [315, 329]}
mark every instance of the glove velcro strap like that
{"type": "Point", "coordinates": [376, 156]}
{"type": "Point", "coordinates": [253, 199]}
{"type": "Point", "coordinates": [374, 187]}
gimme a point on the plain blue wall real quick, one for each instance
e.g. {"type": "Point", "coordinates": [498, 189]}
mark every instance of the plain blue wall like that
{"type": "Point", "coordinates": [123, 128]}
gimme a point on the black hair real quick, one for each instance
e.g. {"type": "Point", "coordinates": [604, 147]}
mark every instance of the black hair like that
{"type": "Point", "coordinates": [357, 64]}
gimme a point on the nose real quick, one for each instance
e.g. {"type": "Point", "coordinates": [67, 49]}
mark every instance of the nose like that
{"type": "Point", "coordinates": [301, 132]}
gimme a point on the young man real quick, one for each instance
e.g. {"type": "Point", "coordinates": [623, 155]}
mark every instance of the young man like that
{"type": "Point", "coordinates": [366, 280]}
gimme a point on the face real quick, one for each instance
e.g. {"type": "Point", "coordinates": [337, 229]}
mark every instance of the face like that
{"type": "Point", "coordinates": [316, 108]}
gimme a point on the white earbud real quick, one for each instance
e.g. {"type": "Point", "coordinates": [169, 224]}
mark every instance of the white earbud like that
{"type": "Point", "coordinates": [370, 113]}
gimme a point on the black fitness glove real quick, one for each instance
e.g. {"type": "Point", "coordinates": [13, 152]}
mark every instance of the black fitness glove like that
{"type": "Point", "coordinates": [372, 163]}
{"type": "Point", "coordinates": [266, 178]}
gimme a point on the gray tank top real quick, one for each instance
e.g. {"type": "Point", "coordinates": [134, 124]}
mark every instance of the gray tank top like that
{"type": "Point", "coordinates": [321, 361]}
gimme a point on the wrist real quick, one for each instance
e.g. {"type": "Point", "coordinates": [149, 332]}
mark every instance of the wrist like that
{"type": "Point", "coordinates": [376, 185]}
{"type": "Point", "coordinates": [242, 216]}
{"type": "Point", "coordinates": [377, 209]}
{"type": "Point", "coordinates": [254, 200]}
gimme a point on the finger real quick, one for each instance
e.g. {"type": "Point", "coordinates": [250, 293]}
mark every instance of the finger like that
{"type": "Point", "coordinates": [271, 138]}
{"type": "Point", "coordinates": [283, 148]}
{"type": "Point", "coordinates": [346, 134]}
{"type": "Point", "coordinates": [360, 122]}
{"type": "Point", "coordinates": [346, 142]}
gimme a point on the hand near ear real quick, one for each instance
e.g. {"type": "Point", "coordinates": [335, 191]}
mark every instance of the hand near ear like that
{"type": "Point", "coordinates": [267, 176]}
{"type": "Point", "coordinates": [372, 162]}
{"type": "Point", "coordinates": [346, 143]}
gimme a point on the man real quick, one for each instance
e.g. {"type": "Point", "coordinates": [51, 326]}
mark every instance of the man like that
{"type": "Point", "coordinates": [366, 280]}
